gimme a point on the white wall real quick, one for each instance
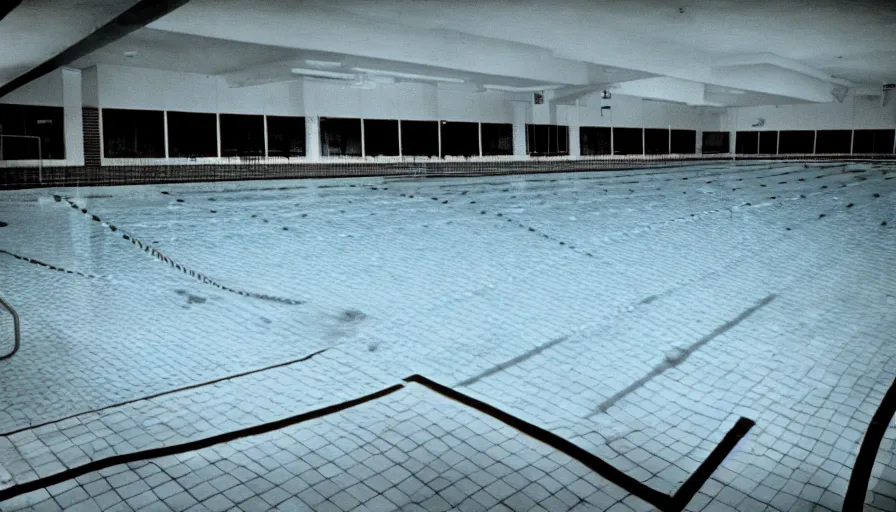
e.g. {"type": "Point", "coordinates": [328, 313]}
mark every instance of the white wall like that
{"type": "Point", "coordinates": [136, 88]}
{"type": "Point", "coordinates": [856, 112]}
{"type": "Point", "coordinates": [46, 90]}
{"type": "Point", "coordinates": [149, 89]}
{"type": "Point", "coordinates": [60, 88]}
{"type": "Point", "coordinates": [632, 112]}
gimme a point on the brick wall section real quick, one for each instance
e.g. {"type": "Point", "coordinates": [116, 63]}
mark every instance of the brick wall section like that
{"type": "Point", "coordinates": [94, 174]}
{"type": "Point", "coordinates": [91, 119]}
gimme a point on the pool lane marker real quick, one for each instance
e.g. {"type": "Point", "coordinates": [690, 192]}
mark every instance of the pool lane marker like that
{"type": "Point", "coordinates": [671, 361]}
{"type": "Point", "coordinates": [46, 265]}
{"type": "Point", "coordinates": [163, 393]}
{"type": "Point", "coordinates": [165, 451]}
{"type": "Point", "coordinates": [857, 490]}
{"type": "Point", "coordinates": [159, 255]}
{"type": "Point", "coordinates": [664, 502]}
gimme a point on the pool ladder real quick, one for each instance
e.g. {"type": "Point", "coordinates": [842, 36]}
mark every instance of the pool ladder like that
{"type": "Point", "coordinates": [15, 327]}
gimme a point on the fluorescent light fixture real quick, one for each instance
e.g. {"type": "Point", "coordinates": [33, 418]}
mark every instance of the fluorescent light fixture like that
{"type": "Point", "coordinates": [409, 76]}
{"type": "Point", "coordinates": [321, 73]}
{"type": "Point", "coordinates": [323, 63]}
{"type": "Point", "coordinates": [130, 53]}
{"type": "Point", "coordinates": [527, 88]}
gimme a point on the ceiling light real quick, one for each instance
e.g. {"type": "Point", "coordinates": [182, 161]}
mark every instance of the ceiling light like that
{"type": "Point", "coordinates": [130, 54]}
{"type": "Point", "coordinates": [409, 76]}
{"type": "Point", "coordinates": [527, 88]}
{"type": "Point", "coordinates": [322, 73]}
{"type": "Point", "coordinates": [323, 63]}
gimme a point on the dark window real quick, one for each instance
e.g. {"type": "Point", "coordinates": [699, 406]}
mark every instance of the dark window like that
{"type": "Point", "coordinates": [133, 133]}
{"type": "Point", "coordinates": [873, 141]}
{"type": "Point", "coordinates": [460, 139]}
{"type": "Point", "coordinates": [656, 141]}
{"type": "Point", "coordinates": [716, 142]}
{"type": "Point", "coordinates": [380, 137]}
{"type": "Point", "coordinates": [547, 139]}
{"type": "Point", "coordinates": [340, 136]}
{"type": "Point", "coordinates": [768, 143]}
{"type": "Point", "coordinates": [286, 136]}
{"type": "Point", "coordinates": [746, 143]}
{"type": "Point", "coordinates": [684, 142]}
{"type": "Point", "coordinates": [192, 135]}
{"type": "Point", "coordinates": [497, 139]}
{"type": "Point", "coordinates": [594, 140]}
{"type": "Point", "coordinates": [628, 141]}
{"type": "Point", "coordinates": [796, 142]}
{"type": "Point", "coordinates": [32, 121]}
{"type": "Point", "coordinates": [420, 138]}
{"type": "Point", "coordinates": [242, 135]}
{"type": "Point", "coordinates": [833, 141]}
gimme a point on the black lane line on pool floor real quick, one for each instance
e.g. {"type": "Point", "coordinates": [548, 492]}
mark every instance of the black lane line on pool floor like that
{"type": "Point", "coordinates": [681, 357]}
{"type": "Point", "coordinates": [163, 393]}
{"type": "Point", "coordinates": [47, 265]}
{"type": "Point", "coordinates": [163, 258]}
{"type": "Point", "coordinates": [550, 344]}
{"type": "Point", "coordinates": [511, 362]}
{"type": "Point", "coordinates": [164, 451]}
{"type": "Point", "coordinates": [861, 471]}
{"type": "Point", "coordinates": [664, 502]}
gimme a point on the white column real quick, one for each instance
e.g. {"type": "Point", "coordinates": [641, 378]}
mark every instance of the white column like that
{"type": "Point", "coordinates": [312, 138]}
{"type": "Point", "coordinates": [400, 149]}
{"type": "Point", "coordinates": [165, 121]}
{"type": "Point", "coordinates": [363, 142]}
{"type": "Point", "coordinates": [73, 126]}
{"type": "Point", "coordinates": [612, 139]}
{"type": "Point", "coordinates": [264, 119]}
{"type": "Point", "coordinates": [519, 128]}
{"type": "Point", "coordinates": [479, 126]}
{"type": "Point", "coordinates": [814, 141]}
{"type": "Point", "coordinates": [574, 139]}
{"type": "Point", "coordinates": [218, 128]}
{"type": "Point", "coordinates": [440, 139]}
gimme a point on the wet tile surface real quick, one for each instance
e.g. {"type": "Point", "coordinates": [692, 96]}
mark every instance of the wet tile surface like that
{"type": "Point", "coordinates": [638, 320]}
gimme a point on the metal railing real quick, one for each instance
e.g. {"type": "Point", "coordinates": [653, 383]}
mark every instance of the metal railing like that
{"type": "Point", "coordinates": [17, 335]}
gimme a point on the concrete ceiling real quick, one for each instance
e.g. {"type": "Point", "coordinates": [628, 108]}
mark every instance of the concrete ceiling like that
{"type": "Point", "coordinates": [37, 30]}
{"type": "Point", "coordinates": [697, 52]}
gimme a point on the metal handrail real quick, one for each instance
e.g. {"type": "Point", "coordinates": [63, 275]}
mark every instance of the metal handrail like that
{"type": "Point", "coordinates": [17, 334]}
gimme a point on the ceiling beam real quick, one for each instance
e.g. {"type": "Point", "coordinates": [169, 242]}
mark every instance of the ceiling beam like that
{"type": "Point", "coordinates": [340, 32]}
{"type": "Point", "coordinates": [7, 7]}
{"type": "Point", "coordinates": [778, 61]}
{"type": "Point", "coordinates": [139, 15]}
{"type": "Point", "coordinates": [665, 89]}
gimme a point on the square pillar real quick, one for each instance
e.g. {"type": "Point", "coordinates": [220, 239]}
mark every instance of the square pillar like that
{"type": "Point", "coordinates": [575, 141]}
{"type": "Point", "coordinates": [72, 123]}
{"type": "Point", "coordinates": [312, 138]}
{"type": "Point", "coordinates": [520, 115]}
